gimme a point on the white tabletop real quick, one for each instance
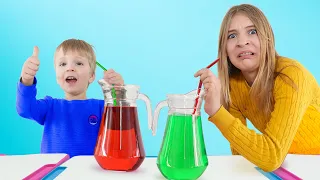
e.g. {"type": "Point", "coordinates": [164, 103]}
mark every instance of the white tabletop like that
{"type": "Point", "coordinates": [220, 167]}
{"type": "Point", "coordinates": [304, 166]}
{"type": "Point", "coordinates": [20, 166]}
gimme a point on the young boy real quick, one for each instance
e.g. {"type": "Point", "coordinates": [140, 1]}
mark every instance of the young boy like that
{"type": "Point", "coordinates": [71, 125]}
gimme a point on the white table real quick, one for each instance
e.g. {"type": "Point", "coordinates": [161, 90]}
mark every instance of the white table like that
{"type": "Point", "coordinates": [304, 166]}
{"type": "Point", "coordinates": [20, 166]}
{"type": "Point", "coordinates": [220, 167]}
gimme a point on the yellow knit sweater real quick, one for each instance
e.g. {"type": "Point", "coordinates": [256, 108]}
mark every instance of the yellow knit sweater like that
{"type": "Point", "coordinates": [292, 127]}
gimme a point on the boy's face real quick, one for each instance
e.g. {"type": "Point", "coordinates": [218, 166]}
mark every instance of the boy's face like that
{"type": "Point", "coordinates": [73, 73]}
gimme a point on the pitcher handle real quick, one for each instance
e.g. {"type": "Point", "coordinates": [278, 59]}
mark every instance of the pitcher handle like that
{"type": "Point", "coordinates": [149, 110]}
{"type": "Point", "coordinates": [156, 116]}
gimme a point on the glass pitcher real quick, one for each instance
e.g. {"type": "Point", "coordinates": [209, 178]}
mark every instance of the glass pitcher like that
{"type": "Point", "coordinates": [183, 153]}
{"type": "Point", "coordinates": [119, 144]}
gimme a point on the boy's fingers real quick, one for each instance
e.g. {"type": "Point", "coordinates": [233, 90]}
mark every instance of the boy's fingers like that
{"type": "Point", "coordinates": [109, 71]}
{"type": "Point", "coordinates": [35, 51]}
{"type": "Point", "coordinates": [34, 61]}
{"type": "Point", "coordinates": [33, 67]}
{"type": "Point", "coordinates": [108, 76]}
{"type": "Point", "coordinates": [30, 72]}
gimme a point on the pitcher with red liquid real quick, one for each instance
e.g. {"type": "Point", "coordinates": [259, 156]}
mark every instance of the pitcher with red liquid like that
{"type": "Point", "coordinates": [183, 153]}
{"type": "Point", "coordinates": [119, 144]}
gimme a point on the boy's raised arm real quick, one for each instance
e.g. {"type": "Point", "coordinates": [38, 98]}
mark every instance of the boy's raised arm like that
{"type": "Point", "coordinates": [27, 105]}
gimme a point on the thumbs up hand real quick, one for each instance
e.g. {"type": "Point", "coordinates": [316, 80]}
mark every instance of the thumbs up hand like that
{"type": "Point", "coordinates": [30, 68]}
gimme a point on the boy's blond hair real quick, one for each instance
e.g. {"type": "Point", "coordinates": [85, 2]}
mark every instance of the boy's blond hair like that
{"type": "Point", "coordinates": [82, 47]}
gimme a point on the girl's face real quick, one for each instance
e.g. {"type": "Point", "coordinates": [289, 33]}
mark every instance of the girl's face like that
{"type": "Point", "coordinates": [243, 45]}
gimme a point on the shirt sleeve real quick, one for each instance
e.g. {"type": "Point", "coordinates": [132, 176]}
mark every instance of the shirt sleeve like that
{"type": "Point", "coordinates": [28, 106]}
{"type": "Point", "coordinates": [235, 112]}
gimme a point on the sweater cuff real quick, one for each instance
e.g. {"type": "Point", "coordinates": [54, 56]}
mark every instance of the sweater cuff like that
{"type": "Point", "coordinates": [27, 90]}
{"type": "Point", "coordinates": [222, 119]}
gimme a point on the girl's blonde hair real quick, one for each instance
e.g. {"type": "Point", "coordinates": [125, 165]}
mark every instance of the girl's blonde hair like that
{"type": "Point", "coordinates": [261, 89]}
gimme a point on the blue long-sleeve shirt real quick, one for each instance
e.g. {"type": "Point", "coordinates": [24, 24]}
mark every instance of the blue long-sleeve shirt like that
{"type": "Point", "coordinates": [70, 126]}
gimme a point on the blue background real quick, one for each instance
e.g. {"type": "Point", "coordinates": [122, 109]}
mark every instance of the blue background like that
{"type": "Point", "coordinates": [157, 45]}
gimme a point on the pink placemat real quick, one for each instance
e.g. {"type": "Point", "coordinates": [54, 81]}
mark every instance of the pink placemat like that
{"type": "Point", "coordinates": [285, 174]}
{"type": "Point", "coordinates": [44, 170]}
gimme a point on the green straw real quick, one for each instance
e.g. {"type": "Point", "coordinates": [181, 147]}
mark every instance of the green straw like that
{"type": "Point", "coordinates": [113, 92]}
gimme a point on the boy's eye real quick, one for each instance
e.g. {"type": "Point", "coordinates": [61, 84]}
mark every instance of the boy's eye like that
{"type": "Point", "coordinates": [79, 63]}
{"type": "Point", "coordinates": [62, 64]}
{"type": "Point", "coordinates": [231, 36]}
{"type": "Point", "coordinates": [253, 31]}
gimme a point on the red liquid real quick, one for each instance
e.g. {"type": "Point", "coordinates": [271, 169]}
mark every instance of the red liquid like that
{"type": "Point", "coordinates": [119, 144]}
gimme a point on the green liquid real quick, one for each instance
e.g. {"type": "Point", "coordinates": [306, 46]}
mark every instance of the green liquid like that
{"type": "Point", "coordinates": [183, 153]}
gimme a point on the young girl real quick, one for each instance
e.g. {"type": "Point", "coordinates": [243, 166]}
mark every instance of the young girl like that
{"type": "Point", "coordinates": [277, 94]}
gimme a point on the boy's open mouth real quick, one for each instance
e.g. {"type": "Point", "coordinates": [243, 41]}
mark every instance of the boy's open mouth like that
{"type": "Point", "coordinates": [71, 79]}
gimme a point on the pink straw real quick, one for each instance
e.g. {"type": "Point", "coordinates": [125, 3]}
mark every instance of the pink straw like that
{"type": "Point", "coordinates": [200, 84]}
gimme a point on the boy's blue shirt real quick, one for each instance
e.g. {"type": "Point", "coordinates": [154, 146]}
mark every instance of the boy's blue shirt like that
{"type": "Point", "coordinates": [69, 126]}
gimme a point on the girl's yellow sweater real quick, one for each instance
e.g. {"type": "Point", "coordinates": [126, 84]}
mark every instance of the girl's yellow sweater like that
{"type": "Point", "coordinates": [292, 127]}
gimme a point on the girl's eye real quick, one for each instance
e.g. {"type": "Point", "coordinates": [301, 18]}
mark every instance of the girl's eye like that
{"type": "Point", "coordinates": [231, 36]}
{"type": "Point", "coordinates": [253, 31]}
{"type": "Point", "coordinates": [79, 63]}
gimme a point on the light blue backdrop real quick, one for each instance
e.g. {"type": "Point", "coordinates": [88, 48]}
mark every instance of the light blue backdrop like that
{"type": "Point", "coordinates": [158, 45]}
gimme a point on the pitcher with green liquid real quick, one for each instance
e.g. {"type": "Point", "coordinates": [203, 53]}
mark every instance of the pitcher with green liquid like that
{"type": "Point", "coordinates": [183, 153]}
